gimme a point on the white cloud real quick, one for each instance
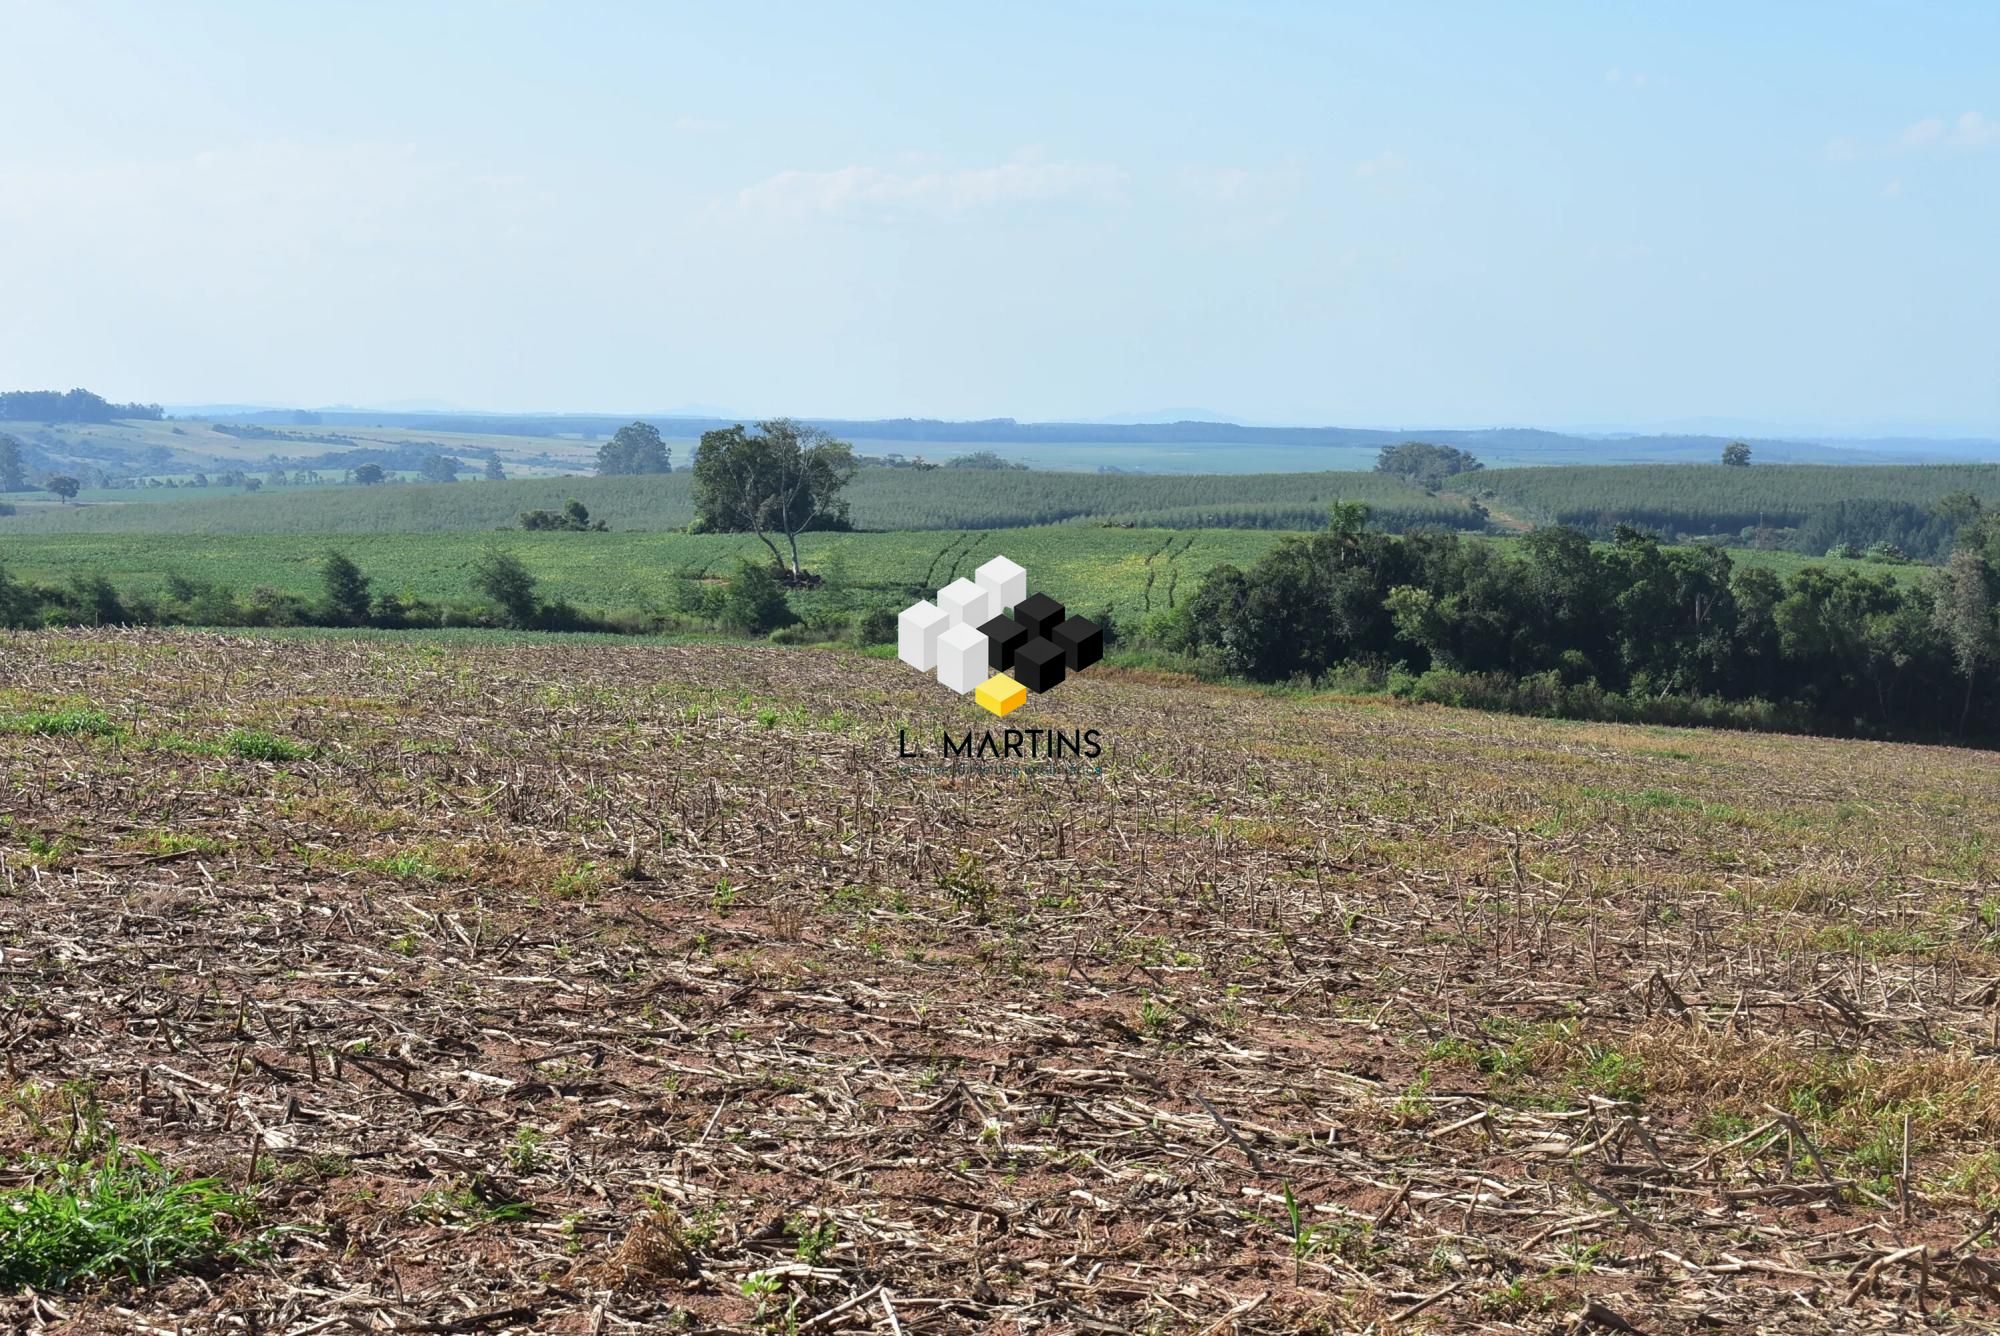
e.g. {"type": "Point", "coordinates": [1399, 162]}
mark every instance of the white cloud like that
{"type": "Point", "coordinates": [1966, 132]}
{"type": "Point", "coordinates": [1628, 252]}
{"type": "Point", "coordinates": [1221, 184]}
{"type": "Point", "coordinates": [1969, 131]}
{"type": "Point", "coordinates": [877, 192]}
{"type": "Point", "coordinates": [1388, 163]}
{"type": "Point", "coordinates": [1893, 189]}
{"type": "Point", "coordinates": [1241, 185]}
{"type": "Point", "coordinates": [1975, 131]}
{"type": "Point", "coordinates": [1924, 132]}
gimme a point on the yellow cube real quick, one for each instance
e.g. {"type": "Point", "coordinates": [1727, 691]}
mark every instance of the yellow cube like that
{"type": "Point", "coordinates": [1001, 694]}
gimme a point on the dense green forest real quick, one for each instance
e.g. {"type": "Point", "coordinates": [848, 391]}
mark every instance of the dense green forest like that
{"type": "Point", "coordinates": [1808, 508]}
{"type": "Point", "coordinates": [1628, 630]}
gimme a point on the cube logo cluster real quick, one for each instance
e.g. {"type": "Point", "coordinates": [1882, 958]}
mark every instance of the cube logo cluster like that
{"type": "Point", "coordinates": [991, 637]}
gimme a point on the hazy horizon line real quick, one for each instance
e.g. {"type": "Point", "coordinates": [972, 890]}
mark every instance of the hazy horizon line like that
{"type": "Point", "coordinates": [1694, 425]}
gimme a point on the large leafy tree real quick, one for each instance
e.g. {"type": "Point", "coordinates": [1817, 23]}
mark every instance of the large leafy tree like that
{"type": "Point", "coordinates": [1566, 599]}
{"type": "Point", "coordinates": [635, 448]}
{"type": "Point", "coordinates": [1306, 605]}
{"type": "Point", "coordinates": [1962, 606]}
{"type": "Point", "coordinates": [64, 486]}
{"type": "Point", "coordinates": [1674, 614]}
{"type": "Point", "coordinates": [777, 482]}
{"type": "Point", "coordinates": [1425, 463]}
{"type": "Point", "coordinates": [1831, 630]}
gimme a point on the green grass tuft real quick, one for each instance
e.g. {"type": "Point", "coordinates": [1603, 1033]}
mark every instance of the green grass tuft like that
{"type": "Point", "coordinates": [254, 744]}
{"type": "Point", "coordinates": [124, 1215]}
{"type": "Point", "coordinates": [60, 723]}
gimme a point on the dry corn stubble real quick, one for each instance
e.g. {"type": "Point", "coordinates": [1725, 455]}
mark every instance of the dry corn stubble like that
{"type": "Point", "coordinates": [551, 987]}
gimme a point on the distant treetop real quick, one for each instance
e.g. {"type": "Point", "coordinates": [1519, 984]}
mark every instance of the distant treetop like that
{"type": "Point", "coordinates": [1422, 462]}
{"type": "Point", "coordinates": [982, 459]}
{"type": "Point", "coordinates": [636, 448]}
{"type": "Point", "coordinates": [573, 516]}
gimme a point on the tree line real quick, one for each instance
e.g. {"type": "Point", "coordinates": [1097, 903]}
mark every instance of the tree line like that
{"type": "Point", "coordinates": [1629, 630]}
{"type": "Point", "coordinates": [70, 406]}
{"type": "Point", "coordinates": [507, 595]}
{"type": "Point", "coordinates": [503, 594]}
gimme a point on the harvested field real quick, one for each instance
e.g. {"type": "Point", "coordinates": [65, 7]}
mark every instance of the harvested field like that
{"type": "Point", "coordinates": [579, 987]}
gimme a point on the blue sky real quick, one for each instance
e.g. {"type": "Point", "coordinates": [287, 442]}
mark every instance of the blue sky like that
{"type": "Point", "coordinates": [1769, 216]}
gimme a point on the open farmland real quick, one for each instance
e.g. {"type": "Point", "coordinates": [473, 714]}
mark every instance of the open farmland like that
{"type": "Point", "coordinates": [881, 499]}
{"type": "Point", "coordinates": [543, 986]}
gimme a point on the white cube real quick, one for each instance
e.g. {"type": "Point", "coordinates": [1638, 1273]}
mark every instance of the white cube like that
{"type": "Point", "coordinates": [961, 658]}
{"type": "Point", "coordinates": [967, 603]}
{"type": "Point", "coordinates": [1005, 581]}
{"type": "Point", "coordinates": [917, 632]}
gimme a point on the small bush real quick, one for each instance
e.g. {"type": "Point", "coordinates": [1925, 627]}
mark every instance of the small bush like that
{"type": "Point", "coordinates": [877, 626]}
{"type": "Point", "coordinates": [124, 1215]}
{"type": "Point", "coordinates": [254, 744]}
{"type": "Point", "coordinates": [502, 578]}
{"type": "Point", "coordinates": [754, 601]}
{"type": "Point", "coordinates": [60, 723]}
{"type": "Point", "coordinates": [697, 600]}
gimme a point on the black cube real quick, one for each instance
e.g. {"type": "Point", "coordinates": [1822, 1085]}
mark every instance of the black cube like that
{"type": "Point", "coordinates": [1081, 641]}
{"type": "Point", "coordinates": [1038, 664]}
{"type": "Point", "coordinates": [1040, 614]}
{"type": "Point", "coordinates": [1003, 635]}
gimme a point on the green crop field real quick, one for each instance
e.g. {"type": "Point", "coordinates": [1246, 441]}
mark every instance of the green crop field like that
{"type": "Point", "coordinates": [1128, 571]}
{"type": "Point", "coordinates": [881, 498]}
{"type": "Point", "coordinates": [1711, 498]}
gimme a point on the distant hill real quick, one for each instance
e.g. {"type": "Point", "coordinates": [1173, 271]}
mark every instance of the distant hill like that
{"type": "Point", "coordinates": [103, 442]}
{"type": "Point", "coordinates": [1499, 445]}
